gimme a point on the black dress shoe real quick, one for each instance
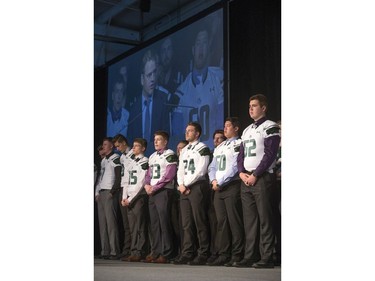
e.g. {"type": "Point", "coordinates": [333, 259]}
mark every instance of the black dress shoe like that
{"type": "Point", "coordinates": [264, 264]}
{"type": "Point", "coordinates": [114, 257]}
{"type": "Point", "coordinates": [182, 260]}
{"type": "Point", "coordinates": [172, 259]}
{"type": "Point", "coordinates": [243, 263]}
{"type": "Point", "coordinates": [199, 260]}
{"type": "Point", "coordinates": [221, 260]}
{"type": "Point", "coordinates": [124, 254]}
{"type": "Point", "coordinates": [212, 258]}
{"type": "Point", "coordinates": [232, 261]}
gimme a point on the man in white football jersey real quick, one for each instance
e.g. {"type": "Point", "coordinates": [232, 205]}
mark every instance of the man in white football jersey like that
{"type": "Point", "coordinates": [256, 160]}
{"type": "Point", "coordinates": [159, 185]}
{"type": "Point", "coordinates": [201, 94]}
{"type": "Point", "coordinates": [223, 174]}
{"type": "Point", "coordinates": [106, 195]}
{"type": "Point", "coordinates": [121, 144]}
{"type": "Point", "coordinates": [193, 186]}
{"type": "Point", "coordinates": [134, 197]}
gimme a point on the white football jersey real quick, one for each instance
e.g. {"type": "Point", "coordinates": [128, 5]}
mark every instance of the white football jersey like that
{"type": "Point", "coordinates": [202, 101]}
{"type": "Point", "coordinates": [253, 141]}
{"type": "Point", "coordinates": [125, 159]}
{"type": "Point", "coordinates": [223, 167]}
{"type": "Point", "coordinates": [134, 175]}
{"type": "Point", "coordinates": [158, 164]}
{"type": "Point", "coordinates": [194, 159]}
{"type": "Point", "coordinates": [107, 172]}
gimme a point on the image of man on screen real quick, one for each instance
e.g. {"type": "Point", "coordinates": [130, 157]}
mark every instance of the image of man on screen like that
{"type": "Point", "coordinates": [117, 115]}
{"type": "Point", "coordinates": [170, 77]}
{"type": "Point", "coordinates": [148, 113]}
{"type": "Point", "coordinates": [201, 94]}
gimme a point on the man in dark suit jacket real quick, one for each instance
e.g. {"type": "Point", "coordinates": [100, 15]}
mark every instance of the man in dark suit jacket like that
{"type": "Point", "coordinates": [149, 112]}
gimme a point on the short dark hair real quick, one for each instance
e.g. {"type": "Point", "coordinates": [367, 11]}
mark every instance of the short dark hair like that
{"type": "Point", "coordinates": [219, 131]}
{"type": "Point", "coordinates": [235, 122]}
{"type": "Point", "coordinates": [107, 139]}
{"type": "Point", "coordinates": [261, 98]}
{"type": "Point", "coordinates": [141, 141]}
{"type": "Point", "coordinates": [196, 126]}
{"type": "Point", "coordinates": [120, 138]}
{"type": "Point", "coordinates": [164, 134]}
{"type": "Point", "coordinates": [185, 142]}
{"type": "Point", "coordinates": [149, 56]}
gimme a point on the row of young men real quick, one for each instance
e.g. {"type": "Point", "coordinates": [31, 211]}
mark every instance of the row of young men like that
{"type": "Point", "coordinates": [241, 179]}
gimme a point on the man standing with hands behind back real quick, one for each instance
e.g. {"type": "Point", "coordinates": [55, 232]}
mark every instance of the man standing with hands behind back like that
{"type": "Point", "coordinates": [256, 160]}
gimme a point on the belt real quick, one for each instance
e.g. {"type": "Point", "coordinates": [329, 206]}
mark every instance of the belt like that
{"type": "Point", "coordinates": [104, 190]}
{"type": "Point", "coordinates": [266, 172]}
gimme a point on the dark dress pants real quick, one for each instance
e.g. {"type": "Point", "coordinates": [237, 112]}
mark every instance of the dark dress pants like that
{"type": "Point", "coordinates": [137, 215]}
{"type": "Point", "coordinates": [229, 220]}
{"type": "Point", "coordinates": [257, 217]}
{"type": "Point", "coordinates": [159, 205]}
{"type": "Point", "coordinates": [193, 212]}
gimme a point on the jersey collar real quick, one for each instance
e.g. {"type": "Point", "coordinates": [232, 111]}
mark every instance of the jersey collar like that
{"type": "Point", "coordinates": [260, 121]}
{"type": "Point", "coordinates": [161, 151]}
{"type": "Point", "coordinates": [197, 73]}
{"type": "Point", "coordinates": [109, 155]}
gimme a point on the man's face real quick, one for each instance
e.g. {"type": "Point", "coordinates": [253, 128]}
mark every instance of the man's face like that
{"type": "Point", "coordinates": [121, 146]}
{"type": "Point", "coordinates": [107, 147]}
{"type": "Point", "coordinates": [218, 139]}
{"type": "Point", "coordinates": [138, 148]}
{"type": "Point", "coordinates": [166, 52]}
{"type": "Point", "coordinates": [255, 110]}
{"type": "Point", "coordinates": [200, 50]}
{"type": "Point", "coordinates": [117, 95]}
{"type": "Point", "coordinates": [180, 146]}
{"type": "Point", "coordinates": [124, 74]}
{"type": "Point", "coordinates": [148, 79]}
{"type": "Point", "coordinates": [229, 130]}
{"type": "Point", "coordinates": [159, 142]}
{"type": "Point", "coordinates": [101, 153]}
{"type": "Point", "coordinates": [191, 134]}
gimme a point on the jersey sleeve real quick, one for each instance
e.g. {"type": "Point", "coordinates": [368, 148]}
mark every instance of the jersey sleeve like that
{"type": "Point", "coordinates": [271, 136]}
{"type": "Point", "coordinates": [212, 168]}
